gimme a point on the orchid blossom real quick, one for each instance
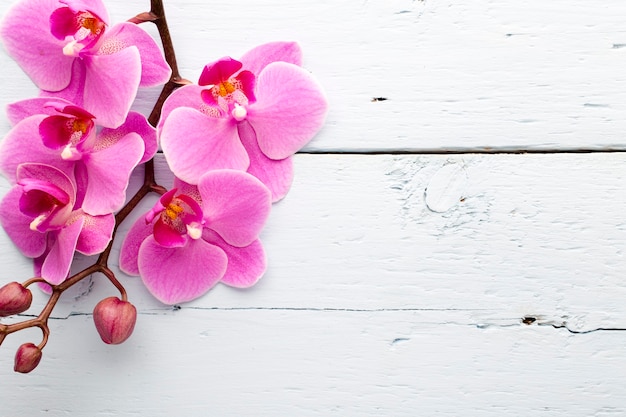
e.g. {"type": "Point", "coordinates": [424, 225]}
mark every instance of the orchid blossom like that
{"type": "Point", "coordinates": [69, 50]}
{"type": "Point", "coordinates": [65, 136]}
{"type": "Point", "coordinates": [196, 236]}
{"type": "Point", "coordinates": [249, 115]}
{"type": "Point", "coordinates": [40, 217]}
{"type": "Point", "coordinates": [69, 155]}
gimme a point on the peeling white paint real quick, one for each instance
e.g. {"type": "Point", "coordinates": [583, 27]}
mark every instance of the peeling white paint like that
{"type": "Point", "coordinates": [446, 188]}
{"type": "Point", "coordinates": [466, 284]}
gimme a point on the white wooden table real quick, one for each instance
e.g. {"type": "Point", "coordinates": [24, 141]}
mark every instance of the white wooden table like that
{"type": "Point", "coordinates": [457, 249]}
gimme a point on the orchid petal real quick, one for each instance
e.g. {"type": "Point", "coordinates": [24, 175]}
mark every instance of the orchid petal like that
{"type": "Point", "coordinates": [175, 275]}
{"type": "Point", "coordinates": [161, 205]}
{"type": "Point", "coordinates": [235, 205]}
{"type": "Point", "coordinates": [48, 174]}
{"type": "Point", "coordinates": [193, 144]}
{"type": "Point", "coordinates": [63, 22]}
{"type": "Point", "coordinates": [129, 252]}
{"type": "Point", "coordinates": [186, 96]}
{"type": "Point", "coordinates": [23, 144]}
{"type": "Point", "coordinates": [290, 109]}
{"type": "Point", "coordinates": [81, 179]}
{"type": "Point", "coordinates": [154, 68]}
{"type": "Point", "coordinates": [108, 171]}
{"type": "Point", "coordinates": [56, 266]}
{"type": "Point", "coordinates": [277, 175]}
{"type": "Point", "coordinates": [25, 31]}
{"type": "Point", "coordinates": [256, 59]}
{"type": "Point", "coordinates": [48, 196]}
{"type": "Point", "coordinates": [54, 132]}
{"type": "Point", "coordinates": [248, 81]}
{"type": "Point", "coordinates": [188, 189]}
{"type": "Point", "coordinates": [45, 203]}
{"type": "Point", "coordinates": [70, 109]}
{"type": "Point", "coordinates": [31, 205]}
{"type": "Point", "coordinates": [245, 265]}
{"type": "Point", "coordinates": [219, 71]}
{"type": "Point", "coordinates": [135, 123]}
{"type": "Point", "coordinates": [17, 225]}
{"type": "Point", "coordinates": [168, 237]}
{"type": "Point", "coordinates": [111, 84]}
{"type": "Point", "coordinates": [95, 7]}
{"type": "Point", "coordinates": [20, 110]}
{"type": "Point", "coordinates": [74, 92]}
{"type": "Point", "coordinates": [192, 212]}
{"type": "Point", "coordinates": [37, 264]}
{"type": "Point", "coordinates": [95, 234]}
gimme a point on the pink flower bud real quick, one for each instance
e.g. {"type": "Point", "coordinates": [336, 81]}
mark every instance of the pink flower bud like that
{"type": "Point", "coordinates": [27, 358]}
{"type": "Point", "coordinates": [115, 320]}
{"type": "Point", "coordinates": [14, 298]}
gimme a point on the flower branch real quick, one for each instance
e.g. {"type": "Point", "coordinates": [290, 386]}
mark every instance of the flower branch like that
{"type": "Point", "coordinates": [26, 363]}
{"type": "Point", "coordinates": [227, 139]}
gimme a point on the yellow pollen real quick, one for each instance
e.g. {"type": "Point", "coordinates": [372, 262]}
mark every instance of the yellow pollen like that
{"type": "Point", "coordinates": [224, 88]}
{"type": "Point", "coordinates": [79, 125]}
{"type": "Point", "coordinates": [173, 210]}
{"type": "Point", "coordinates": [91, 23]}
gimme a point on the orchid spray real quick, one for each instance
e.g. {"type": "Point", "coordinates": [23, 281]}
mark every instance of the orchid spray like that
{"type": "Point", "coordinates": [228, 140]}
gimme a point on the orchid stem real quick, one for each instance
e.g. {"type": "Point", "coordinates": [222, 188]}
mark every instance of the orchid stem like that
{"type": "Point", "coordinates": [157, 16]}
{"type": "Point", "coordinates": [111, 276]}
{"type": "Point", "coordinates": [157, 10]}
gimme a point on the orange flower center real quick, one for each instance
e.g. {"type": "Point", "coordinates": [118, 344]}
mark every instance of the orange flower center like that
{"type": "Point", "coordinates": [173, 210]}
{"type": "Point", "coordinates": [225, 88]}
{"type": "Point", "coordinates": [80, 125]}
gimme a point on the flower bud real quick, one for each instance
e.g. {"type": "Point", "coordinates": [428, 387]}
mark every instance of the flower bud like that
{"type": "Point", "coordinates": [115, 320]}
{"type": "Point", "coordinates": [27, 358]}
{"type": "Point", "coordinates": [14, 298]}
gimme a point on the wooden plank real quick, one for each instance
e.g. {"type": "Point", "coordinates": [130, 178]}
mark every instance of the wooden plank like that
{"type": "Point", "coordinates": [401, 285]}
{"type": "Point", "coordinates": [199, 362]}
{"type": "Point", "coordinates": [396, 283]}
{"type": "Point", "coordinates": [457, 75]}
{"type": "Point", "coordinates": [502, 236]}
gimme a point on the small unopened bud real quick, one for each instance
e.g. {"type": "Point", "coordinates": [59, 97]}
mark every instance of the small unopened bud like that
{"type": "Point", "coordinates": [27, 358]}
{"type": "Point", "coordinates": [14, 298]}
{"type": "Point", "coordinates": [115, 320]}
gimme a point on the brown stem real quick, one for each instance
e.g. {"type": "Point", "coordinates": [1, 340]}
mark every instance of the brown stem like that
{"type": "Point", "coordinates": [46, 333]}
{"type": "Point", "coordinates": [111, 276]}
{"type": "Point", "coordinates": [157, 16]}
{"type": "Point", "coordinates": [158, 13]}
{"type": "Point", "coordinates": [157, 10]}
{"type": "Point", "coordinates": [31, 281]}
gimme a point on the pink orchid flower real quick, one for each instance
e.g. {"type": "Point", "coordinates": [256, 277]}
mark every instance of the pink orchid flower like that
{"type": "Point", "coordinates": [196, 236]}
{"type": "Point", "coordinates": [249, 115]}
{"type": "Point", "coordinates": [69, 50]}
{"type": "Point", "coordinates": [56, 132]}
{"type": "Point", "coordinates": [40, 217]}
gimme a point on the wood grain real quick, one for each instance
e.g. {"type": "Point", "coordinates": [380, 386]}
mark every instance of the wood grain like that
{"type": "Point", "coordinates": [411, 272]}
{"type": "Point", "coordinates": [458, 75]}
{"type": "Point", "coordinates": [374, 304]}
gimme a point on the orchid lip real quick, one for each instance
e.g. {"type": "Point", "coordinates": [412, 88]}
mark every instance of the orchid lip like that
{"type": "Point", "coordinates": [82, 29]}
{"type": "Point", "coordinates": [160, 205]}
{"type": "Point", "coordinates": [178, 218]}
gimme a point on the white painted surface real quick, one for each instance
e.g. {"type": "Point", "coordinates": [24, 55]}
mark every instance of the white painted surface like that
{"type": "Point", "coordinates": [397, 284]}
